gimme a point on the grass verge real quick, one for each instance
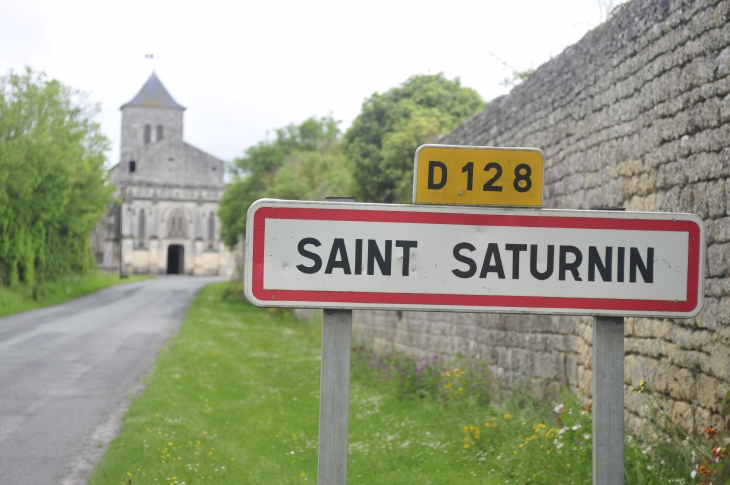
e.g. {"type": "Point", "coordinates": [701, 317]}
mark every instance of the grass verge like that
{"type": "Point", "coordinates": [234, 400]}
{"type": "Point", "coordinates": [23, 298]}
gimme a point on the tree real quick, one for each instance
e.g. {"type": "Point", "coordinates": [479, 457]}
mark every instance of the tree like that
{"type": "Point", "coordinates": [303, 162]}
{"type": "Point", "coordinates": [382, 140]}
{"type": "Point", "coordinates": [53, 187]}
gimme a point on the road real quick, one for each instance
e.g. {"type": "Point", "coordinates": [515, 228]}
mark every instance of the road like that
{"type": "Point", "coordinates": [66, 373]}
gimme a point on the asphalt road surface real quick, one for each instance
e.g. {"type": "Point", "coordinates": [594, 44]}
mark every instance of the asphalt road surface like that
{"type": "Point", "coordinates": [66, 374]}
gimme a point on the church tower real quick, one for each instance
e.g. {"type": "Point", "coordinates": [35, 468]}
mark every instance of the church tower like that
{"type": "Point", "coordinates": [150, 117]}
{"type": "Point", "coordinates": [169, 191]}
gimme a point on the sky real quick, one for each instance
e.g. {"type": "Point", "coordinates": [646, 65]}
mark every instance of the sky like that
{"type": "Point", "coordinates": [245, 68]}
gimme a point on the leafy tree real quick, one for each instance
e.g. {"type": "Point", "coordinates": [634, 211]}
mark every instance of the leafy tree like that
{"type": "Point", "coordinates": [382, 140]}
{"type": "Point", "coordinates": [53, 186]}
{"type": "Point", "coordinates": [303, 162]}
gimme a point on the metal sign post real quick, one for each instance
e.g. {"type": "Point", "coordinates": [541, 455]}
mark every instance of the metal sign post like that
{"type": "Point", "coordinates": [608, 398]}
{"type": "Point", "coordinates": [334, 397]}
{"type": "Point", "coordinates": [334, 393]}
{"type": "Point", "coordinates": [608, 401]}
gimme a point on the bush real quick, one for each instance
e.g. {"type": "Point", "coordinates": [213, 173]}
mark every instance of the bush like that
{"type": "Point", "coordinates": [53, 188]}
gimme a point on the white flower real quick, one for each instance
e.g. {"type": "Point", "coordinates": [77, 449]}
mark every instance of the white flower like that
{"type": "Point", "coordinates": [694, 473]}
{"type": "Point", "coordinates": [577, 426]}
{"type": "Point", "coordinates": [558, 408]}
{"type": "Point", "coordinates": [586, 436]}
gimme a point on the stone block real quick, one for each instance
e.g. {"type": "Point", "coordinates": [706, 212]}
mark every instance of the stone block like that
{"type": "Point", "coordinates": [691, 361]}
{"type": "Point", "coordinates": [707, 166]}
{"type": "Point", "coordinates": [705, 363]}
{"type": "Point", "coordinates": [718, 230]}
{"type": "Point", "coordinates": [681, 413]}
{"type": "Point", "coordinates": [717, 287]}
{"type": "Point", "coordinates": [718, 260]}
{"type": "Point", "coordinates": [706, 389]}
{"type": "Point", "coordinates": [668, 200]}
{"type": "Point", "coordinates": [682, 385]}
{"type": "Point", "coordinates": [706, 199]}
{"type": "Point", "coordinates": [720, 361]}
{"type": "Point", "coordinates": [723, 311]}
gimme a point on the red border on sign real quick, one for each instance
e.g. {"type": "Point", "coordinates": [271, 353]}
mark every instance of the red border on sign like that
{"type": "Point", "coordinates": [486, 301]}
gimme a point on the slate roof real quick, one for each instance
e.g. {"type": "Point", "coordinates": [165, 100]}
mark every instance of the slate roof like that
{"type": "Point", "coordinates": [153, 95]}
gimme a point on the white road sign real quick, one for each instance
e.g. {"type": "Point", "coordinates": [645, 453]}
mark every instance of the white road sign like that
{"type": "Point", "coordinates": [379, 256]}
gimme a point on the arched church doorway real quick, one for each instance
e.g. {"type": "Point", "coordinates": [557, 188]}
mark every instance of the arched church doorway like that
{"type": "Point", "coordinates": [175, 259]}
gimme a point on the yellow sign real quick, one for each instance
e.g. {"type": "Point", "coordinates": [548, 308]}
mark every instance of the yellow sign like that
{"type": "Point", "coordinates": [446, 174]}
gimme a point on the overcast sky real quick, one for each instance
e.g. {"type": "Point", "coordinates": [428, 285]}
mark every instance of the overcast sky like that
{"type": "Point", "coordinates": [243, 68]}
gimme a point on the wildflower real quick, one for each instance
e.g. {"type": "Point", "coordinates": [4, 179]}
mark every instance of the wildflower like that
{"type": "Point", "coordinates": [559, 408]}
{"type": "Point", "coordinates": [719, 453]}
{"type": "Point", "coordinates": [704, 471]}
{"type": "Point", "coordinates": [710, 432]}
{"type": "Point", "coordinates": [641, 388]}
{"type": "Point", "coordinates": [507, 416]}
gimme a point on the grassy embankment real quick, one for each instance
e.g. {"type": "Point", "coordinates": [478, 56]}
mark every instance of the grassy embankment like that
{"type": "Point", "coordinates": [23, 298]}
{"type": "Point", "coordinates": [234, 400]}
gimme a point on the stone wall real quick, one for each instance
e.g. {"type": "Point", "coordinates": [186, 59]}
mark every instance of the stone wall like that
{"type": "Point", "coordinates": [637, 115]}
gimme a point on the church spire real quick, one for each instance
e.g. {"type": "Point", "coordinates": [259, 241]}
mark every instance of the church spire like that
{"type": "Point", "coordinates": [153, 95]}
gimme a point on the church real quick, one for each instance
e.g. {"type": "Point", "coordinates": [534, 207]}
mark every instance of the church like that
{"type": "Point", "coordinates": [163, 220]}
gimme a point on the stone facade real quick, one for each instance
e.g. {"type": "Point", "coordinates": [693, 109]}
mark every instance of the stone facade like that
{"type": "Point", "coordinates": [635, 115]}
{"type": "Point", "coordinates": [169, 192]}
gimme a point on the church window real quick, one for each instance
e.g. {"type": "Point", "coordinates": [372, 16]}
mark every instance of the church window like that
{"type": "Point", "coordinates": [211, 229]}
{"type": "Point", "coordinates": [132, 166]}
{"type": "Point", "coordinates": [142, 225]}
{"type": "Point", "coordinates": [176, 226]}
{"type": "Point", "coordinates": [159, 132]}
{"type": "Point", "coordinates": [147, 134]}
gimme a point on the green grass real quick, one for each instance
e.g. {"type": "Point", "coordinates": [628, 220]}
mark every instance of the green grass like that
{"type": "Point", "coordinates": [23, 298]}
{"type": "Point", "coordinates": [234, 400]}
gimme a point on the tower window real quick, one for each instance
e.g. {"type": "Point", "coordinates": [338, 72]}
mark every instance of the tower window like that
{"type": "Point", "coordinates": [147, 134]}
{"type": "Point", "coordinates": [176, 226]}
{"type": "Point", "coordinates": [211, 228]}
{"type": "Point", "coordinates": [159, 132]}
{"type": "Point", "coordinates": [132, 166]}
{"type": "Point", "coordinates": [142, 225]}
